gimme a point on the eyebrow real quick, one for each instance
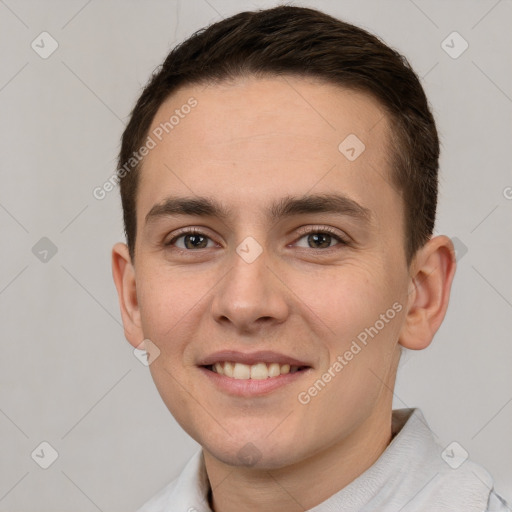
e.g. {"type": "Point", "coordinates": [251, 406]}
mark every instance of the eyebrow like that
{"type": "Point", "coordinates": [287, 206]}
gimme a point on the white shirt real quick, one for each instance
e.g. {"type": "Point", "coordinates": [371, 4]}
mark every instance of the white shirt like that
{"type": "Point", "coordinates": [409, 476]}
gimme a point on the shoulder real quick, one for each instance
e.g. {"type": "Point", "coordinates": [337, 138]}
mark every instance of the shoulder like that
{"type": "Point", "coordinates": [497, 503]}
{"type": "Point", "coordinates": [431, 474]}
{"type": "Point", "coordinates": [185, 493]}
{"type": "Point", "coordinates": [159, 501]}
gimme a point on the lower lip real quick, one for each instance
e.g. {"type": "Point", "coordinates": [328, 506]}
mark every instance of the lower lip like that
{"type": "Point", "coordinates": [251, 387]}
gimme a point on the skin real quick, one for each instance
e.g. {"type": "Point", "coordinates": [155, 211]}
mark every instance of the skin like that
{"type": "Point", "coordinates": [248, 143]}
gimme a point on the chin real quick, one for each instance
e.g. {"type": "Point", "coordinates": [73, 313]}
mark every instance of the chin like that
{"type": "Point", "coordinates": [255, 452]}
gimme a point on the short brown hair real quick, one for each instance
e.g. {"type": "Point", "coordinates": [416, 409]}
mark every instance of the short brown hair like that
{"type": "Point", "coordinates": [305, 42]}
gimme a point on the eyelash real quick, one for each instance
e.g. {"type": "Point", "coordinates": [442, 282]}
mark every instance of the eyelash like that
{"type": "Point", "coordinates": [325, 230]}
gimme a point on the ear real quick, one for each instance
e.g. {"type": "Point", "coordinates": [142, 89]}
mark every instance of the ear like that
{"type": "Point", "coordinates": [123, 273]}
{"type": "Point", "coordinates": [432, 272]}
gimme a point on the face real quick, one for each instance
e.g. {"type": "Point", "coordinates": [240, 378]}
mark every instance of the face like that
{"type": "Point", "coordinates": [305, 267]}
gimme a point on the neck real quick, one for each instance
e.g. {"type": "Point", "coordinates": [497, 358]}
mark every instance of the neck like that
{"type": "Point", "coordinates": [306, 483]}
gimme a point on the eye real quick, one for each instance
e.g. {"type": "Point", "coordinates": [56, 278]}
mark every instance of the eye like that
{"type": "Point", "coordinates": [192, 239]}
{"type": "Point", "coordinates": [316, 238]}
{"type": "Point", "coordinates": [321, 238]}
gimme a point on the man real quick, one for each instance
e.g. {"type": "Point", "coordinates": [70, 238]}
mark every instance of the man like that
{"type": "Point", "coordinates": [279, 186]}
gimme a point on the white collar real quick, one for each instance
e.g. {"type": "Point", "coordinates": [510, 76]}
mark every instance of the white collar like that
{"type": "Point", "coordinates": [410, 476]}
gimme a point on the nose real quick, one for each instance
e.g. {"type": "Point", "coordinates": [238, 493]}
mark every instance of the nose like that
{"type": "Point", "coordinates": [251, 296]}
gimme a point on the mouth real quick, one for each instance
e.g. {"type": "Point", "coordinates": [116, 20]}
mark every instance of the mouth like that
{"type": "Point", "coordinates": [252, 374]}
{"type": "Point", "coordinates": [258, 371]}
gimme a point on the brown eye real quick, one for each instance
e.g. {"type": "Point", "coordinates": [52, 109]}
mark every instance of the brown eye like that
{"type": "Point", "coordinates": [191, 240]}
{"type": "Point", "coordinates": [195, 241]}
{"type": "Point", "coordinates": [321, 239]}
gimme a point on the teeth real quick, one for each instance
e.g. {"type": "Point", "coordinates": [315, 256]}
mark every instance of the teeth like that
{"type": "Point", "coordinates": [242, 371]}
{"type": "Point", "coordinates": [228, 369]}
{"type": "Point", "coordinates": [258, 371]}
{"type": "Point", "coordinates": [274, 370]}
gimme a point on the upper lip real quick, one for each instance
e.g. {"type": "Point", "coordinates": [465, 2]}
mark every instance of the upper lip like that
{"type": "Point", "coordinates": [262, 356]}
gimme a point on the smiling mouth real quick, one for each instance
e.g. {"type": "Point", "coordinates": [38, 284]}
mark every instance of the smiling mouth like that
{"type": "Point", "coordinates": [258, 371]}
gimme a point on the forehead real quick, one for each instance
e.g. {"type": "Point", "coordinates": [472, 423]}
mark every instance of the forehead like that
{"type": "Point", "coordinates": [265, 138]}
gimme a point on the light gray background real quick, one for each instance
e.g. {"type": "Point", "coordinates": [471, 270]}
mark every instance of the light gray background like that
{"type": "Point", "coordinates": [68, 377]}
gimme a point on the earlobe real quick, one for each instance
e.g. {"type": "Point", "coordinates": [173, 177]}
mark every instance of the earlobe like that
{"type": "Point", "coordinates": [123, 273]}
{"type": "Point", "coordinates": [432, 273]}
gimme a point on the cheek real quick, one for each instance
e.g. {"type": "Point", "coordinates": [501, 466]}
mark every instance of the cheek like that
{"type": "Point", "coordinates": [169, 306]}
{"type": "Point", "coordinates": [166, 303]}
{"type": "Point", "coordinates": [362, 311]}
{"type": "Point", "coordinates": [348, 298]}
{"type": "Point", "coordinates": [357, 374]}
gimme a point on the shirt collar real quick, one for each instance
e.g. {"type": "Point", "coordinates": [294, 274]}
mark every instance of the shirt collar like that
{"type": "Point", "coordinates": [410, 475]}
